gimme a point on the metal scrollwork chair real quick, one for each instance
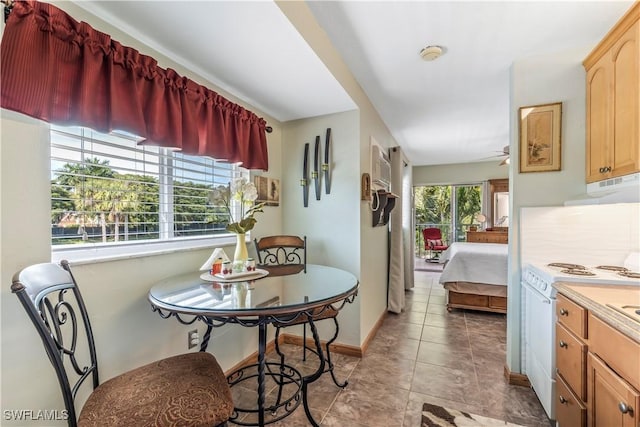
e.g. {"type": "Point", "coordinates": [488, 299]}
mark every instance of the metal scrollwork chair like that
{"type": "Point", "coordinates": [282, 255]}
{"type": "Point", "coordinates": [188, 389]}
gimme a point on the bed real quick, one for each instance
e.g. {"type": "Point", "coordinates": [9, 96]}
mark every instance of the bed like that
{"type": "Point", "coordinates": [475, 276]}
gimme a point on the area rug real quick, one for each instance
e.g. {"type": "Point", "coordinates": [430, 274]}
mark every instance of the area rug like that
{"type": "Point", "coordinates": [438, 416]}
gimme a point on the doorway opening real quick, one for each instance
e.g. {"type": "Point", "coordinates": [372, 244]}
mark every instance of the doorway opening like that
{"type": "Point", "coordinates": [451, 208]}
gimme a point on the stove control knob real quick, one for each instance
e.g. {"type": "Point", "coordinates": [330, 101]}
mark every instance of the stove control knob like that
{"type": "Point", "coordinates": [543, 285]}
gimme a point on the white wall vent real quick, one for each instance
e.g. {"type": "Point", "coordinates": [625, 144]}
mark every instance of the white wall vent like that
{"type": "Point", "coordinates": [614, 184]}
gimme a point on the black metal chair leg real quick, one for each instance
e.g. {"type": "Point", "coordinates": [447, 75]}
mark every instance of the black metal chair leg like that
{"type": "Point", "coordinates": [304, 342]}
{"type": "Point", "coordinates": [329, 362]}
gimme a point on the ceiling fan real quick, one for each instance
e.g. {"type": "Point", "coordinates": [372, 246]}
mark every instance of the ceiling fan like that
{"type": "Point", "coordinates": [504, 153]}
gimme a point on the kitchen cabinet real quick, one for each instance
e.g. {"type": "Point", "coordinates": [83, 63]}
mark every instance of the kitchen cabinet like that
{"type": "Point", "coordinates": [613, 377]}
{"type": "Point", "coordinates": [571, 410]}
{"type": "Point", "coordinates": [571, 331]}
{"type": "Point", "coordinates": [612, 401]}
{"type": "Point", "coordinates": [613, 101]}
{"type": "Point", "coordinates": [598, 374]}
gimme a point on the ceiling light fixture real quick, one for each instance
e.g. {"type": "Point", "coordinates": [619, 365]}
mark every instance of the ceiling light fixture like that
{"type": "Point", "coordinates": [430, 53]}
{"type": "Point", "coordinates": [505, 152]}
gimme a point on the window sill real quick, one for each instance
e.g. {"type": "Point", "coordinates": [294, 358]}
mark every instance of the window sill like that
{"type": "Point", "coordinates": [94, 253]}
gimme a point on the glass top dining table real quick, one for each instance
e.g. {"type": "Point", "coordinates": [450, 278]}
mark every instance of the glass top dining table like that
{"type": "Point", "coordinates": [284, 295]}
{"type": "Point", "coordinates": [272, 295]}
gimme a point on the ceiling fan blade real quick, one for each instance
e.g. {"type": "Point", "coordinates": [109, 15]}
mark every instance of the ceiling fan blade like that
{"type": "Point", "coordinates": [494, 157]}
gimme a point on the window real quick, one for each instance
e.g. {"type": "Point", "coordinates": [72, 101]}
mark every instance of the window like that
{"type": "Point", "coordinates": [107, 190]}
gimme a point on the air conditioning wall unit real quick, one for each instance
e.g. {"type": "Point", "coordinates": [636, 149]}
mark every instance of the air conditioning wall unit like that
{"type": "Point", "coordinates": [380, 167]}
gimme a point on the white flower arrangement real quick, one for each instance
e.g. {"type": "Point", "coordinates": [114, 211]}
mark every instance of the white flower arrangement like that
{"type": "Point", "coordinates": [246, 194]}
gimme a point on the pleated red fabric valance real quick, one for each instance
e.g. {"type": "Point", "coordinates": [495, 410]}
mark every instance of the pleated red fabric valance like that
{"type": "Point", "coordinates": [62, 71]}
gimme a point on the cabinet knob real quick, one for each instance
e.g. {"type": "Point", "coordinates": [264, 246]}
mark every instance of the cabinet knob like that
{"type": "Point", "coordinates": [563, 400]}
{"type": "Point", "coordinates": [563, 344]}
{"type": "Point", "coordinates": [607, 169]}
{"type": "Point", "coordinates": [601, 170]}
{"type": "Point", "coordinates": [624, 408]}
{"type": "Point", "coordinates": [564, 312]}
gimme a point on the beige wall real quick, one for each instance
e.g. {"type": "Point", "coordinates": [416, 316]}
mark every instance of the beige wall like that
{"type": "Point", "coordinates": [465, 173]}
{"type": "Point", "coordinates": [331, 224]}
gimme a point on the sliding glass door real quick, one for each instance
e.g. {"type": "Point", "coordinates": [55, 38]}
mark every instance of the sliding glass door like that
{"type": "Point", "coordinates": [450, 208]}
{"type": "Point", "coordinates": [467, 204]}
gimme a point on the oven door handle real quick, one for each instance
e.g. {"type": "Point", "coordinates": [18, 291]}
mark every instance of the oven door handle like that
{"type": "Point", "coordinates": [537, 293]}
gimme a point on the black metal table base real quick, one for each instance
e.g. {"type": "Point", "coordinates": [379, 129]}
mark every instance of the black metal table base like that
{"type": "Point", "coordinates": [283, 376]}
{"type": "Point", "coordinates": [290, 376]}
{"type": "Point", "coordinates": [261, 375]}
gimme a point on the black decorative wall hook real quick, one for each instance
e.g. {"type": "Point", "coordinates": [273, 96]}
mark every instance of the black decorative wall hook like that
{"type": "Point", "coordinates": [326, 168]}
{"type": "Point", "coordinates": [316, 168]}
{"type": "Point", "coordinates": [304, 182]}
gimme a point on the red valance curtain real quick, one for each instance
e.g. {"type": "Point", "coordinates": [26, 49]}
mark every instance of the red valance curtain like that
{"type": "Point", "coordinates": [57, 69]}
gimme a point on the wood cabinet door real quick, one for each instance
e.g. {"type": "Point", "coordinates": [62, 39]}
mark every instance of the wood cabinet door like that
{"type": "Point", "coordinates": [570, 412]}
{"type": "Point", "coordinates": [571, 360]}
{"type": "Point", "coordinates": [572, 316]}
{"type": "Point", "coordinates": [612, 402]}
{"type": "Point", "coordinates": [625, 55]}
{"type": "Point", "coordinates": [599, 138]}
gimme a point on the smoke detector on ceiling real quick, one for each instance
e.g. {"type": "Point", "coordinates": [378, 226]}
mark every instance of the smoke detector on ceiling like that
{"type": "Point", "coordinates": [430, 53]}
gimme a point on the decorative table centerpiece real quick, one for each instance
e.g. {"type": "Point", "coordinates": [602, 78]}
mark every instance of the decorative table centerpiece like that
{"type": "Point", "coordinates": [244, 192]}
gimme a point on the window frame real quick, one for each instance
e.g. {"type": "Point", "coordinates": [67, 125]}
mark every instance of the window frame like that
{"type": "Point", "coordinates": [101, 252]}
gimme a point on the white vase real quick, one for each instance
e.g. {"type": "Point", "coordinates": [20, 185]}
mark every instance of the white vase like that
{"type": "Point", "coordinates": [241, 253]}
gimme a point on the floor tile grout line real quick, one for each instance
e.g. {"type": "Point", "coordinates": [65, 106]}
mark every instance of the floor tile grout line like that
{"type": "Point", "coordinates": [473, 358]}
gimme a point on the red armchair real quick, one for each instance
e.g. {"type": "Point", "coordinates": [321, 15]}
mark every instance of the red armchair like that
{"type": "Point", "coordinates": [433, 242]}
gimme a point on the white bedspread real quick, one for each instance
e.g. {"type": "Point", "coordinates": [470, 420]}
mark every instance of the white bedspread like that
{"type": "Point", "coordinates": [475, 262]}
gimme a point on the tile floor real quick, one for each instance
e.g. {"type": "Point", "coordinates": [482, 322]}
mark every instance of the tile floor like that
{"type": "Point", "coordinates": [422, 355]}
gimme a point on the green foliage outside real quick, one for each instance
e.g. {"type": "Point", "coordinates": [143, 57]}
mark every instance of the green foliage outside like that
{"type": "Point", "coordinates": [433, 209]}
{"type": "Point", "coordinates": [92, 196]}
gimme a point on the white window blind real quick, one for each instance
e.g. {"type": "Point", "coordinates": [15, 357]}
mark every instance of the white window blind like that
{"type": "Point", "coordinates": [107, 189]}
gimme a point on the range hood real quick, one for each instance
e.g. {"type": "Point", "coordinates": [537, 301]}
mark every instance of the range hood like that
{"type": "Point", "coordinates": [623, 189]}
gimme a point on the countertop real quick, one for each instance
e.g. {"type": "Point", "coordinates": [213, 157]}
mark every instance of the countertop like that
{"type": "Point", "coordinates": [595, 299]}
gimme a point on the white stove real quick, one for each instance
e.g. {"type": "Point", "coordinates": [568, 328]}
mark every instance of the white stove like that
{"type": "Point", "coordinates": [542, 276]}
{"type": "Point", "coordinates": [539, 315]}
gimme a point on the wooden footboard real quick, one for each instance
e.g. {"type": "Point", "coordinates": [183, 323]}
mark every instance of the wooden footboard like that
{"type": "Point", "coordinates": [494, 304]}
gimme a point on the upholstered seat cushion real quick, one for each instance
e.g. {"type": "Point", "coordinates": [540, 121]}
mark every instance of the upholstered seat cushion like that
{"type": "Point", "coordinates": [185, 390]}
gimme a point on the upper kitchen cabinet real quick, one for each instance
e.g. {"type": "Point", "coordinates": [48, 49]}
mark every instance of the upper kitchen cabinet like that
{"type": "Point", "coordinates": [613, 101]}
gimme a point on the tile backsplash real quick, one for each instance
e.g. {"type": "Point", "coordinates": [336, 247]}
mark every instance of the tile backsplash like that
{"type": "Point", "coordinates": [590, 235]}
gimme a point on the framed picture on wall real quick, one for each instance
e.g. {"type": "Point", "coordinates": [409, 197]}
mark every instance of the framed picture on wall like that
{"type": "Point", "coordinates": [268, 190]}
{"type": "Point", "coordinates": [540, 138]}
